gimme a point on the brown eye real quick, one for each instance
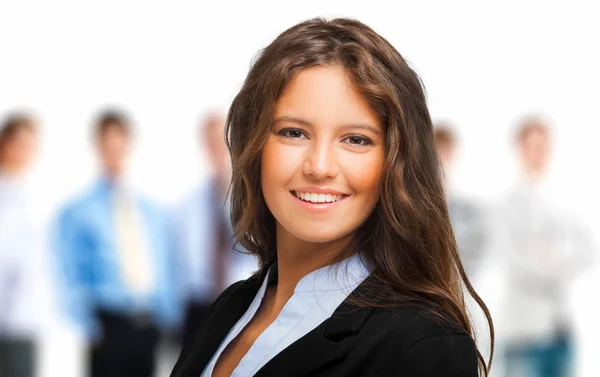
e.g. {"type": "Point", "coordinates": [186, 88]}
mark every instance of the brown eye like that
{"type": "Point", "coordinates": [292, 133]}
{"type": "Point", "coordinates": [358, 140]}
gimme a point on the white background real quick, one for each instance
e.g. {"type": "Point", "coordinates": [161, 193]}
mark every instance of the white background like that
{"type": "Point", "coordinates": [484, 66]}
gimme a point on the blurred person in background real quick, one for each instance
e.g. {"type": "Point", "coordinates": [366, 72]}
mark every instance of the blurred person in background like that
{"type": "Point", "coordinates": [468, 219]}
{"type": "Point", "coordinates": [113, 249]}
{"type": "Point", "coordinates": [543, 250]}
{"type": "Point", "coordinates": [21, 245]}
{"type": "Point", "coordinates": [207, 262]}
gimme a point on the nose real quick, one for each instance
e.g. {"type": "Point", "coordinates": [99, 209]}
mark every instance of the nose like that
{"type": "Point", "coordinates": [321, 161]}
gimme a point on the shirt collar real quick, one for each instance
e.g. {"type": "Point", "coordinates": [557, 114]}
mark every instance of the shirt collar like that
{"type": "Point", "coordinates": [345, 275]}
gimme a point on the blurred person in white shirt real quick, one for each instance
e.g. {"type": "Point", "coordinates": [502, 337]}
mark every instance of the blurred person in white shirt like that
{"type": "Point", "coordinates": [467, 217]}
{"type": "Point", "coordinates": [542, 250]}
{"type": "Point", "coordinates": [21, 251]}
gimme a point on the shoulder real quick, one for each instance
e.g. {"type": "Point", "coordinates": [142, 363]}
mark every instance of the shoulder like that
{"type": "Point", "coordinates": [412, 324]}
{"type": "Point", "coordinates": [465, 205]}
{"type": "Point", "coordinates": [79, 206]}
{"type": "Point", "coordinates": [191, 202]}
{"type": "Point", "coordinates": [422, 344]}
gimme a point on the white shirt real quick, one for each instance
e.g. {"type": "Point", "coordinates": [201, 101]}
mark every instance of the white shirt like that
{"type": "Point", "coordinates": [315, 299]}
{"type": "Point", "coordinates": [22, 268]}
{"type": "Point", "coordinates": [542, 250]}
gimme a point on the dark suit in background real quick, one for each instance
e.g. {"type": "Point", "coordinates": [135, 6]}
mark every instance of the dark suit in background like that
{"type": "Point", "coordinates": [207, 263]}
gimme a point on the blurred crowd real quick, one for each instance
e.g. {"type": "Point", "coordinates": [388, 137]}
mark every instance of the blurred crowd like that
{"type": "Point", "coordinates": [129, 275]}
{"type": "Point", "coordinates": [540, 249]}
{"type": "Point", "coordinates": [128, 272]}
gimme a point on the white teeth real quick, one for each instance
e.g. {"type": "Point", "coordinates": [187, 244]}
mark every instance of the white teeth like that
{"type": "Point", "coordinates": [318, 198]}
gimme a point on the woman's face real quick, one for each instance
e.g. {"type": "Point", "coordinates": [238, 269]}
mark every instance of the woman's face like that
{"type": "Point", "coordinates": [322, 162]}
{"type": "Point", "coordinates": [20, 150]}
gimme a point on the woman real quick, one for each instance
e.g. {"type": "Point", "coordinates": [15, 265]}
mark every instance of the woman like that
{"type": "Point", "coordinates": [336, 189]}
{"type": "Point", "coordinates": [21, 268]}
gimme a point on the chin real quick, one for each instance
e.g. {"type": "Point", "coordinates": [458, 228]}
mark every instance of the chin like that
{"type": "Point", "coordinates": [319, 236]}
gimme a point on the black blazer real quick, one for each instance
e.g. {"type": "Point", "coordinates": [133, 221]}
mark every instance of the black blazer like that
{"type": "Point", "coordinates": [354, 341]}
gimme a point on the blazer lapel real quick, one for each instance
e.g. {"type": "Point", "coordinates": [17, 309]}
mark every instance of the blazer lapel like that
{"type": "Point", "coordinates": [321, 346]}
{"type": "Point", "coordinates": [222, 318]}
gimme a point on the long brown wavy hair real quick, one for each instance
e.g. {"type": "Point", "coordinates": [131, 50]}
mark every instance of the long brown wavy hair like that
{"type": "Point", "coordinates": [408, 238]}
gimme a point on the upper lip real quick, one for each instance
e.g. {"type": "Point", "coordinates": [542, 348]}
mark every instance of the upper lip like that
{"type": "Point", "coordinates": [319, 190]}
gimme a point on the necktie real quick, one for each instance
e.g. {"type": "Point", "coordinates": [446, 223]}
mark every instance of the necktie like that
{"type": "Point", "coordinates": [132, 248]}
{"type": "Point", "coordinates": [221, 245]}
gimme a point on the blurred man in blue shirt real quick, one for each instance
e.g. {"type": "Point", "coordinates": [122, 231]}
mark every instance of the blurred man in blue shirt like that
{"type": "Point", "coordinates": [113, 248]}
{"type": "Point", "coordinates": [207, 261]}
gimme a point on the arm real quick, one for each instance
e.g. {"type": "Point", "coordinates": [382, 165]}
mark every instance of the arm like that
{"type": "Point", "coordinates": [580, 248]}
{"type": "Point", "coordinates": [512, 238]}
{"type": "Point", "coordinates": [72, 249]}
{"type": "Point", "coordinates": [446, 355]}
{"type": "Point", "coordinates": [39, 275]}
{"type": "Point", "coordinates": [169, 300]}
{"type": "Point", "coordinates": [472, 232]}
{"type": "Point", "coordinates": [568, 244]}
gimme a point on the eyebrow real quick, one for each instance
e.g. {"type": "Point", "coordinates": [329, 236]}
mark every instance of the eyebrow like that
{"type": "Point", "coordinates": [304, 122]}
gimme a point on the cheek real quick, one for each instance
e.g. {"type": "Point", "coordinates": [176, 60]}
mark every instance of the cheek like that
{"type": "Point", "coordinates": [278, 165]}
{"type": "Point", "coordinates": [363, 174]}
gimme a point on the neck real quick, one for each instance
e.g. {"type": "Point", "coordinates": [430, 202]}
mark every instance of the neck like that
{"type": "Point", "coordinates": [221, 184]}
{"type": "Point", "coordinates": [533, 175]}
{"type": "Point", "coordinates": [297, 258]}
{"type": "Point", "coordinates": [112, 177]}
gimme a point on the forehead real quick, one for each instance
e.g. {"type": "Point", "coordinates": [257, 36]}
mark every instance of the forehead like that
{"type": "Point", "coordinates": [325, 96]}
{"type": "Point", "coordinates": [25, 130]}
{"type": "Point", "coordinates": [535, 134]}
{"type": "Point", "coordinates": [114, 132]}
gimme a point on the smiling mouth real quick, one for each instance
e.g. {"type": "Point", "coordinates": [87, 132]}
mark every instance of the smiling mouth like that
{"type": "Point", "coordinates": [318, 198]}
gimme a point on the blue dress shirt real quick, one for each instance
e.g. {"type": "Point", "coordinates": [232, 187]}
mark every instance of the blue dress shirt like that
{"type": "Point", "coordinates": [315, 299]}
{"type": "Point", "coordinates": [86, 247]}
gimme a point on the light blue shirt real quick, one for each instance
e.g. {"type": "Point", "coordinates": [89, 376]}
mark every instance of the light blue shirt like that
{"type": "Point", "coordinates": [86, 246]}
{"type": "Point", "coordinates": [195, 243]}
{"type": "Point", "coordinates": [315, 299]}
